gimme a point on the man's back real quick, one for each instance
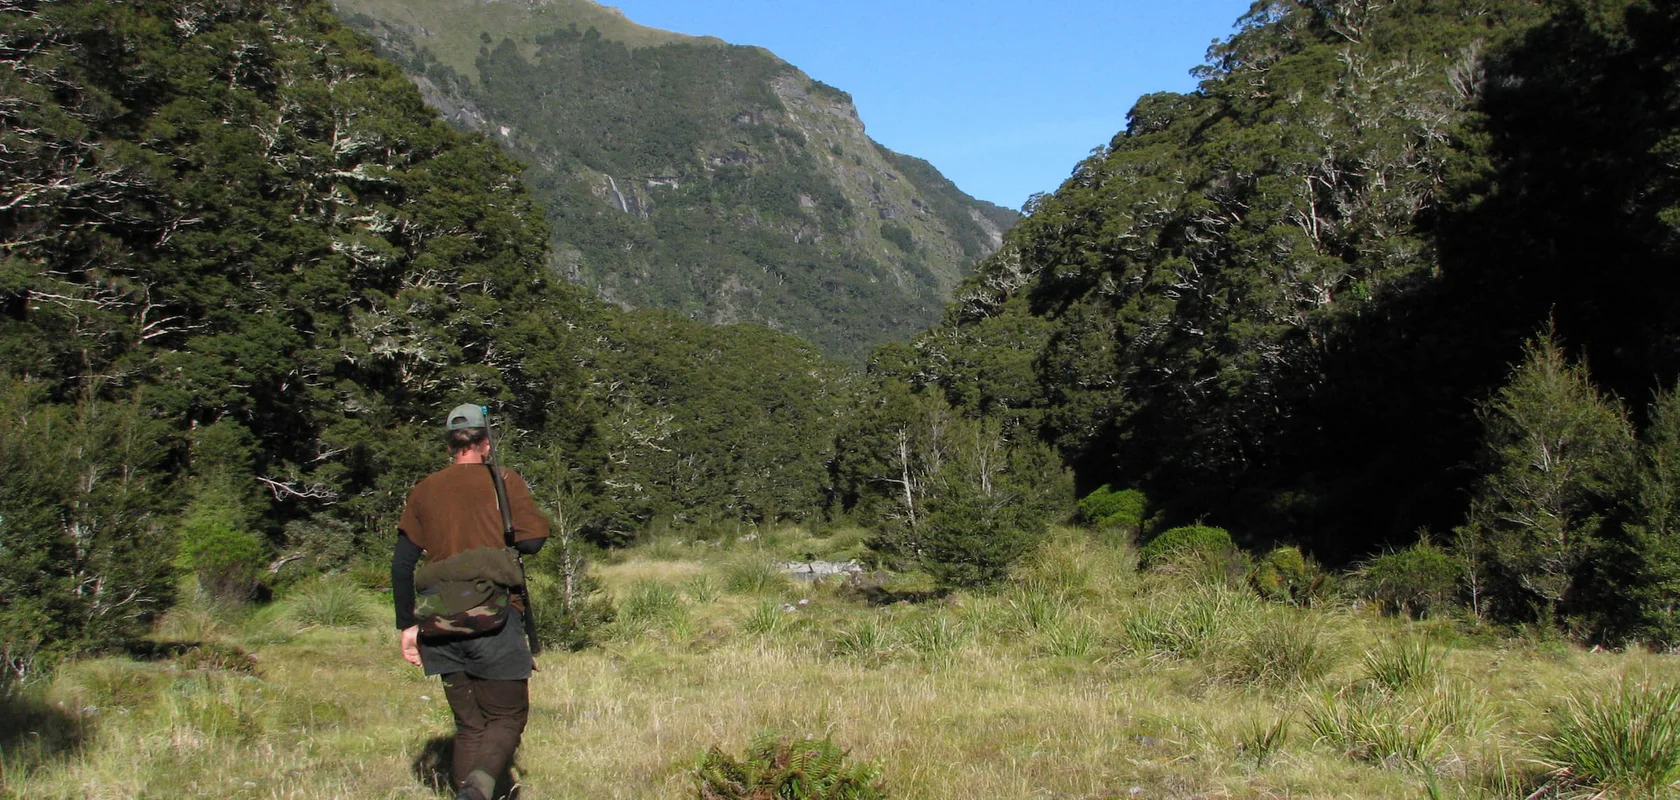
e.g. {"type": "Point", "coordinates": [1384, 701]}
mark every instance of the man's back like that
{"type": "Point", "coordinates": [454, 509]}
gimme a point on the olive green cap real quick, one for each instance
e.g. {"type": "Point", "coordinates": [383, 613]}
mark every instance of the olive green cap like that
{"type": "Point", "coordinates": [466, 416]}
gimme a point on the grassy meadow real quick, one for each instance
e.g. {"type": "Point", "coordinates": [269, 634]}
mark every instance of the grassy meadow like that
{"type": "Point", "coordinates": [1078, 678]}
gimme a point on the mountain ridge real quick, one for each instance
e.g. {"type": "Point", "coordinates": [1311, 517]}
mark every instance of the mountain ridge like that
{"type": "Point", "coordinates": [686, 173]}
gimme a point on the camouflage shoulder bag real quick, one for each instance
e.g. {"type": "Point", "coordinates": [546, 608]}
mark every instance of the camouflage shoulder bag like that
{"type": "Point", "coordinates": [462, 608]}
{"type": "Point", "coordinates": [467, 593]}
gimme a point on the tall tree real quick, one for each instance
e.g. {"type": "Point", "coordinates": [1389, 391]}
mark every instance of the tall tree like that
{"type": "Point", "coordinates": [1557, 455]}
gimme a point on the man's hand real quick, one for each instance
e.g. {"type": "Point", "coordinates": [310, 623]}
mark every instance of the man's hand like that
{"type": "Point", "coordinates": [411, 644]}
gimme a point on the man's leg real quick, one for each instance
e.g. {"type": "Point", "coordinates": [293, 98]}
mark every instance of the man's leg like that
{"type": "Point", "coordinates": [489, 721]}
{"type": "Point", "coordinates": [470, 724]}
{"type": "Point", "coordinates": [505, 706]}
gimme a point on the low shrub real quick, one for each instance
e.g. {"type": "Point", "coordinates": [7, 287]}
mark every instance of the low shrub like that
{"type": "Point", "coordinates": [1199, 554]}
{"type": "Point", "coordinates": [1122, 511]}
{"type": "Point", "coordinates": [1624, 742]}
{"type": "Point", "coordinates": [1286, 575]}
{"type": "Point", "coordinates": [226, 561]}
{"type": "Point", "coordinates": [1419, 581]}
{"type": "Point", "coordinates": [1175, 543]}
{"type": "Point", "coordinates": [320, 543]}
{"type": "Point", "coordinates": [781, 768]}
{"type": "Point", "coordinates": [569, 621]}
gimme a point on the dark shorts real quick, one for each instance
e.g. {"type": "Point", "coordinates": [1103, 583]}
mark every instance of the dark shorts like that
{"type": "Point", "coordinates": [500, 656]}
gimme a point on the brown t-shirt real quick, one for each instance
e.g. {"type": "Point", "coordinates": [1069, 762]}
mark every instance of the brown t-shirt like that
{"type": "Point", "coordinates": [454, 509]}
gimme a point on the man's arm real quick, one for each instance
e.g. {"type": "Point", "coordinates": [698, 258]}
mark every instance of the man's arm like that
{"type": "Point", "coordinates": [404, 556]}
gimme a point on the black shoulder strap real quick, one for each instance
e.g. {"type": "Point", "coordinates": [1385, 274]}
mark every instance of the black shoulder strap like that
{"type": "Point", "coordinates": [502, 503]}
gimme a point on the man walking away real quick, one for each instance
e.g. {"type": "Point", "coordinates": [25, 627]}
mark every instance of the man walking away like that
{"type": "Point", "coordinates": [453, 519]}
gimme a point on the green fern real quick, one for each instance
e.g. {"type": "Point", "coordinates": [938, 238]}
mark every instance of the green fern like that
{"type": "Point", "coordinates": [779, 768]}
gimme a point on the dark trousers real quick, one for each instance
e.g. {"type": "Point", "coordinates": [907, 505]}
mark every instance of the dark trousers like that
{"type": "Point", "coordinates": [489, 719]}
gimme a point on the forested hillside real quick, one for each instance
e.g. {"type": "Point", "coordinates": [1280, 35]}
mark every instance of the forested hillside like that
{"type": "Point", "coordinates": [245, 267]}
{"type": "Point", "coordinates": [1288, 302]}
{"type": "Point", "coordinates": [712, 180]}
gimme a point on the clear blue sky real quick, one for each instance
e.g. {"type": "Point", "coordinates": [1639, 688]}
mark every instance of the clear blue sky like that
{"type": "Point", "coordinates": [1003, 97]}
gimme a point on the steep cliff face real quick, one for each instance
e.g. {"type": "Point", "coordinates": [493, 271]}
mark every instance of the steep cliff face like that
{"type": "Point", "coordinates": [683, 173]}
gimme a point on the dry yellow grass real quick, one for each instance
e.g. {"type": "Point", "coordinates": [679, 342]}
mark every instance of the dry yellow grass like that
{"type": "Point", "coordinates": [335, 713]}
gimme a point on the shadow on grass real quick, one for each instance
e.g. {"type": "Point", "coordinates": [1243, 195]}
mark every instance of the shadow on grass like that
{"type": "Point", "coordinates": [196, 656]}
{"type": "Point", "coordinates": [431, 765]}
{"type": "Point", "coordinates": [33, 733]}
{"type": "Point", "coordinates": [876, 590]}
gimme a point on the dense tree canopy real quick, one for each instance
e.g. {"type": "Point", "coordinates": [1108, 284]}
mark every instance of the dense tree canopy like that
{"type": "Point", "coordinates": [1277, 299]}
{"type": "Point", "coordinates": [245, 267]}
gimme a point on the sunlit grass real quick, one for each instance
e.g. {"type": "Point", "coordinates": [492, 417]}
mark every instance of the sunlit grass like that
{"type": "Point", "coordinates": [1121, 682]}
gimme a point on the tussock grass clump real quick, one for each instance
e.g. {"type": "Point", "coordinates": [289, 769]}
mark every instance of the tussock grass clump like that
{"type": "Point", "coordinates": [1371, 727]}
{"type": "Point", "coordinates": [768, 619]}
{"type": "Point", "coordinates": [1261, 740]}
{"type": "Point", "coordinates": [1030, 611]}
{"type": "Point", "coordinates": [1073, 637]}
{"type": "Point", "coordinates": [1506, 775]}
{"type": "Point", "coordinates": [192, 622]}
{"type": "Point", "coordinates": [1624, 742]}
{"type": "Point", "coordinates": [650, 603]}
{"type": "Point", "coordinates": [215, 657]}
{"type": "Point", "coordinates": [1060, 569]}
{"type": "Point", "coordinates": [866, 641]}
{"type": "Point", "coordinates": [1077, 569]}
{"type": "Point", "coordinates": [936, 637]}
{"type": "Point", "coordinates": [754, 576]}
{"type": "Point", "coordinates": [1403, 664]}
{"type": "Point", "coordinates": [1282, 650]}
{"type": "Point", "coordinates": [230, 710]}
{"type": "Point", "coordinates": [330, 602]}
{"type": "Point", "coordinates": [703, 589]}
{"type": "Point", "coordinates": [787, 769]}
{"type": "Point", "coordinates": [1463, 708]}
{"type": "Point", "coordinates": [109, 683]}
{"type": "Point", "coordinates": [34, 731]}
{"type": "Point", "coordinates": [1184, 627]}
{"type": "Point", "coordinates": [666, 548]}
